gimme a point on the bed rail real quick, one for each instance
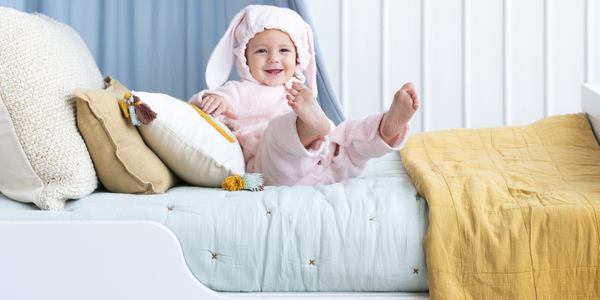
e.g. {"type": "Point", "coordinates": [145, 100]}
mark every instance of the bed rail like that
{"type": "Point", "coordinates": [590, 104]}
{"type": "Point", "coordinates": [73, 260]}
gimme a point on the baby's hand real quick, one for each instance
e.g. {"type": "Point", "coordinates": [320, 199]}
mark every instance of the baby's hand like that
{"type": "Point", "coordinates": [215, 105]}
{"type": "Point", "coordinates": [299, 94]}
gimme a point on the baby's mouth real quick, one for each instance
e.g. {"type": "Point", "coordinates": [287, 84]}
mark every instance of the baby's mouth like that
{"type": "Point", "coordinates": [274, 71]}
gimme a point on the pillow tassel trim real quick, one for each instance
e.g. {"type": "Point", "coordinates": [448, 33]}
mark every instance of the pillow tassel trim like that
{"type": "Point", "coordinates": [136, 111]}
{"type": "Point", "coordinates": [250, 181]}
{"type": "Point", "coordinates": [143, 111]}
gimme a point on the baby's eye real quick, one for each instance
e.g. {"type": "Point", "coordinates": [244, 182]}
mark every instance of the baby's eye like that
{"type": "Point", "coordinates": [261, 51]}
{"type": "Point", "coordinates": [285, 50]}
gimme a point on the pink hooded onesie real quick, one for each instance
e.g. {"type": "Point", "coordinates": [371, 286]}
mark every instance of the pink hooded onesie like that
{"type": "Point", "coordinates": [266, 127]}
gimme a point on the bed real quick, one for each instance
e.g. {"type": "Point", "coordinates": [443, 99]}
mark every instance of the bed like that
{"type": "Point", "coordinates": [365, 238]}
{"type": "Point", "coordinates": [360, 235]}
{"type": "Point", "coordinates": [115, 249]}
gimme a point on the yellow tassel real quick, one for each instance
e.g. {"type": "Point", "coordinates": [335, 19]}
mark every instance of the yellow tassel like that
{"type": "Point", "coordinates": [233, 183]}
{"type": "Point", "coordinates": [250, 181]}
{"type": "Point", "coordinates": [124, 108]}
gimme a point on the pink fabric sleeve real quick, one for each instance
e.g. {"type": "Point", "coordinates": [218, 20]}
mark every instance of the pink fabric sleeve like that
{"type": "Point", "coordinates": [229, 91]}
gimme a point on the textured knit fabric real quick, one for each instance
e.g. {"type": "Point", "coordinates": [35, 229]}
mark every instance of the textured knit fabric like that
{"type": "Point", "coordinates": [41, 63]}
{"type": "Point", "coordinates": [266, 130]}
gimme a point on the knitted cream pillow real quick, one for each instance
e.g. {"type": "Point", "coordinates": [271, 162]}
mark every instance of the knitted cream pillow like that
{"type": "Point", "coordinates": [43, 158]}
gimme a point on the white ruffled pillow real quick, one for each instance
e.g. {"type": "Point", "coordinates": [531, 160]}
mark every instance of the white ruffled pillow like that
{"type": "Point", "coordinates": [43, 157]}
{"type": "Point", "coordinates": [196, 147]}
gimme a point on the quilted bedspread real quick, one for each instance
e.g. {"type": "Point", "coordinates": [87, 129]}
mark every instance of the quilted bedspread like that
{"type": "Point", "coordinates": [513, 211]}
{"type": "Point", "coordinates": [364, 234]}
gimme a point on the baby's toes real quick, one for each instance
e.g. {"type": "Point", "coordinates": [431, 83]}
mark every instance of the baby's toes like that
{"type": "Point", "coordinates": [407, 86]}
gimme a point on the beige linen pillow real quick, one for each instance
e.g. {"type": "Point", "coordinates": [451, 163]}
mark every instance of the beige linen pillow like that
{"type": "Point", "coordinates": [195, 146]}
{"type": "Point", "coordinates": [123, 162]}
{"type": "Point", "coordinates": [43, 158]}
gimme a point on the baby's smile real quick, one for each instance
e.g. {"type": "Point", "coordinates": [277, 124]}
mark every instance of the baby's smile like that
{"type": "Point", "coordinates": [274, 71]}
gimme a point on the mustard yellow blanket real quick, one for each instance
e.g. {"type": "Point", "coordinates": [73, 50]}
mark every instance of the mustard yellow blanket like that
{"type": "Point", "coordinates": [513, 211]}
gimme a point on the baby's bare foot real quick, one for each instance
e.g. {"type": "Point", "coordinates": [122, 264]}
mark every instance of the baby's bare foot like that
{"type": "Point", "coordinates": [312, 121]}
{"type": "Point", "coordinates": [402, 109]}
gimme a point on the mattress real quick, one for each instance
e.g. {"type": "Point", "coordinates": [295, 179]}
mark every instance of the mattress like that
{"type": "Point", "coordinates": [364, 234]}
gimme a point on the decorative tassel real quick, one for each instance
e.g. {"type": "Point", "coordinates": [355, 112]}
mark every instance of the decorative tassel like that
{"type": "Point", "coordinates": [253, 182]}
{"type": "Point", "coordinates": [250, 181]}
{"type": "Point", "coordinates": [133, 117]}
{"type": "Point", "coordinates": [136, 111]}
{"type": "Point", "coordinates": [143, 111]}
{"type": "Point", "coordinates": [124, 108]}
{"type": "Point", "coordinates": [233, 183]}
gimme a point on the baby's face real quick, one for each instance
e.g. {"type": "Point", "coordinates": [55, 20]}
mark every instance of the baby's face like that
{"type": "Point", "coordinates": [271, 57]}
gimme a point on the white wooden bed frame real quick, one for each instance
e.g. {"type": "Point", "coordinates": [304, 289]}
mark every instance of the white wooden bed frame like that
{"type": "Point", "coordinates": [74, 260]}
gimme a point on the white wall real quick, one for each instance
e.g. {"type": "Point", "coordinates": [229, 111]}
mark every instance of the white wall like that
{"type": "Point", "coordinates": [475, 63]}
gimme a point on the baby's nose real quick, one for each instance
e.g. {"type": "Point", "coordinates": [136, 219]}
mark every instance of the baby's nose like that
{"type": "Point", "coordinates": [273, 58]}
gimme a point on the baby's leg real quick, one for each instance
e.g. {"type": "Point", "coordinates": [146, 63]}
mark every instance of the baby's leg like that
{"type": "Point", "coordinates": [351, 145]}
{"type": "Point", "coordinates": [280, 155]}
{"type": "Point", "coordinates": [403, 107]}
{"type": "Point", "coordinates": [312, 122]}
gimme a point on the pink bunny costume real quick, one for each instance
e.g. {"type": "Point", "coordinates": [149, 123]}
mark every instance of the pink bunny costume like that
{"type": "Point", "coordinates": [266, 128]}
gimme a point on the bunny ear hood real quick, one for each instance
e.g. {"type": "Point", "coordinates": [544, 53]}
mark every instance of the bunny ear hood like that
{"type": "Point", "coordinates": [244, 26]}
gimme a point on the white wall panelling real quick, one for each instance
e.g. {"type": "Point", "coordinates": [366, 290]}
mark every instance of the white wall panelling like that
{"type": "Point", "coordinates": [506, 46]}
{"type": "Point", "coordinates": [384, 55]}
{"type": "Point", "coordinates": [363, 57]}
{"type": "Point", "coordinates": [475, 63]}
{"type": "Point", "coordinates": [593, 45]}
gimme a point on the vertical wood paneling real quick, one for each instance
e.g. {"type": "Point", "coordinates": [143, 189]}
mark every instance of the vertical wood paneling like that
{"type": "Point", "coordinates": [474, 63]}
{"type": "Point", "coordinates": [404, 54]}
{"type": "Point", "coordinates": [326, 19]}
{"type": "Point", "coordinates": [594, 41]}
{"type": "Point", "coordinates": [363, 72]}
{"type": "Point", "coordinates": [526, 77]}
{"type": "Point", "coordinates": [586, 41]}
{"type": "Point", "coordinates": [383, 27]}
{"type": "Point", "coordinates": [506, 62]}
{"type": "Point", "coordinates": [486, 56]}
{"type": "Point", "coordinates": [547, 57]}
{"type": "Point", "coordinates": [466, 60]}
{"type": "Point", "coordinates": [344, 57]}
{"type": "Point", "coordinates": [424, 65]}
{"type": "Point", "coordinates": [444, 58]}
{"type": "Point", "coordinates": [567, 55]}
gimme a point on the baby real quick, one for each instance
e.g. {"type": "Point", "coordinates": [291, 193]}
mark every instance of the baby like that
{"type": "Point", "coordinates": [283, 131]}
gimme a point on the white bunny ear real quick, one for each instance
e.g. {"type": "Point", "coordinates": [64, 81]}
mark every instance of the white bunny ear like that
{"type": "Point", "coordinates": [221, 60]}
{"type": "Point", "coordinates": [311, 69]}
